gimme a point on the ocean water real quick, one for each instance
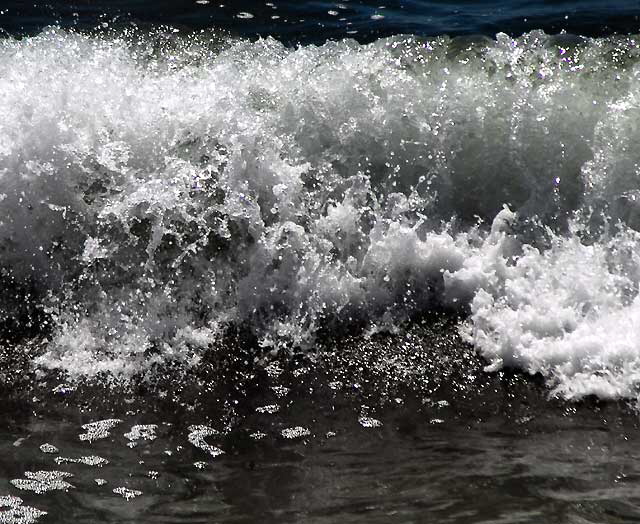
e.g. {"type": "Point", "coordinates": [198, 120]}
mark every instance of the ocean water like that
{"type": "Point", "coordinates": [319, 262]}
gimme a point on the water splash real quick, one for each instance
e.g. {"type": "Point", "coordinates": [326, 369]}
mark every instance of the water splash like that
{"type": "Point", "coordinates": [158, 190]}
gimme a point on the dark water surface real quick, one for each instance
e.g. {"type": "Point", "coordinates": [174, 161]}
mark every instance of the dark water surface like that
{"type": "Point", "coordinates": [306, 22]}
{"type": "Point", "coordinates": [393, 429]}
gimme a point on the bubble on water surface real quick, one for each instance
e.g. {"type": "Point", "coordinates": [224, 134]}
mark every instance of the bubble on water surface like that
{"type": "Point", "coordinates": [273, 370]}
{"type": "Point", "coordinates": [126, 493]}
{"type": "Point", "coordinates": [43, 481]}
{"type": "Point", "coordinates": [280, 391]}
{"type": "Point", "coordinates": [197, 435]}
{"type": "Point", "coordinates": [369, 422]}
{"type": "Point", "coordinates": [10, 501]}
{"type": "Point", "coordinates": [12, 511]}
{"type": "Point", "coordinates": [98, 430]}
{"type": "Point", "coordinates": [295, 432]}
{"type": "Point", "coordinates": [269, 408]}
{"type": "Point", "coordinates": [141, 432]}
{"type": "Point", "coordinates": [90, 460]}
{"type": "Point", "coordinates": [48, 448]}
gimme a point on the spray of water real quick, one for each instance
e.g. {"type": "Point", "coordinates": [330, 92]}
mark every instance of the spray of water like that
{"type": "Point", "coordinates": [157, 190]}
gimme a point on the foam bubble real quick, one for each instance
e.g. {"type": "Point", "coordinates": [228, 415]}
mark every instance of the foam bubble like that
{"type": "Point", "coordinates": [91, 460]}
{"type": "Point", "coordinates": [141, 432]}
{"type": "Point", "coordinates": [99, 429]}
{"type": "Point", "coordinates": [369, 422]}
{"type": "Point", "coordinates": [197, 436]}
{"type": "Point", "coordinates": [126, 493]}
{"type": "Point", "coordinates": [48, 448]}
{"type": "Point", "coordinates": [43, 481]}
{"type": "Point", "coordinates": [14, 512]}
{"type": "Point", "coordinates": [295, 432]}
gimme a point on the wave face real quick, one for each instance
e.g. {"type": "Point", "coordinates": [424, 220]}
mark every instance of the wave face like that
{"type": "Point", "coordinates": [157, 190]}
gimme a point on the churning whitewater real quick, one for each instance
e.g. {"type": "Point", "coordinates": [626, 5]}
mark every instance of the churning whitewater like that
{"type": "Point", "coordinates": [157, 189]}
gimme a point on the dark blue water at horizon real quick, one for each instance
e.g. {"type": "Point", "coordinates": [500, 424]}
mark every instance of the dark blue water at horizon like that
{"type": "Point", "coordinates": [296, 22]}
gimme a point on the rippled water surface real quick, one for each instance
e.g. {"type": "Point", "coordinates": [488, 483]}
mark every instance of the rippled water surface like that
{"type": "Point", "coordinates": [331, 443]}
{"type": "Point", "coordinates": [316, 21]}
{"type": "Point", "coordinates": [510, 463]}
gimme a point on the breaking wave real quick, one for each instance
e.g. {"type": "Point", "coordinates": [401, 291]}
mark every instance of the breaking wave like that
{"type": "Point", "coordinates": [159, 189]}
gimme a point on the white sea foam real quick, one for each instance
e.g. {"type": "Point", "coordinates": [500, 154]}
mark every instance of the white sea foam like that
{"type": "Point", "coordinates": [197, 436]}
{"type": "Point", "coordinates": [141, 432]}
{"type": "Point", "coordinates": [91, 460]}
{"type": "Point", "coordinates": [48, 448]}
{"type": "Point", "coordinates": [156, 189]}
{"type": "Point", "coordinates": [570, 312]}
{"type": "Point", "coordinates": [12, 511]}
{"type": "Point", "coordinates": [43, 481]}
{"type": "Point", "coordinates": [126, 493]}
{"type": "Point", "coordinates": [294, 433]}
{"type": "Point", "coordinates": [99, 429]}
